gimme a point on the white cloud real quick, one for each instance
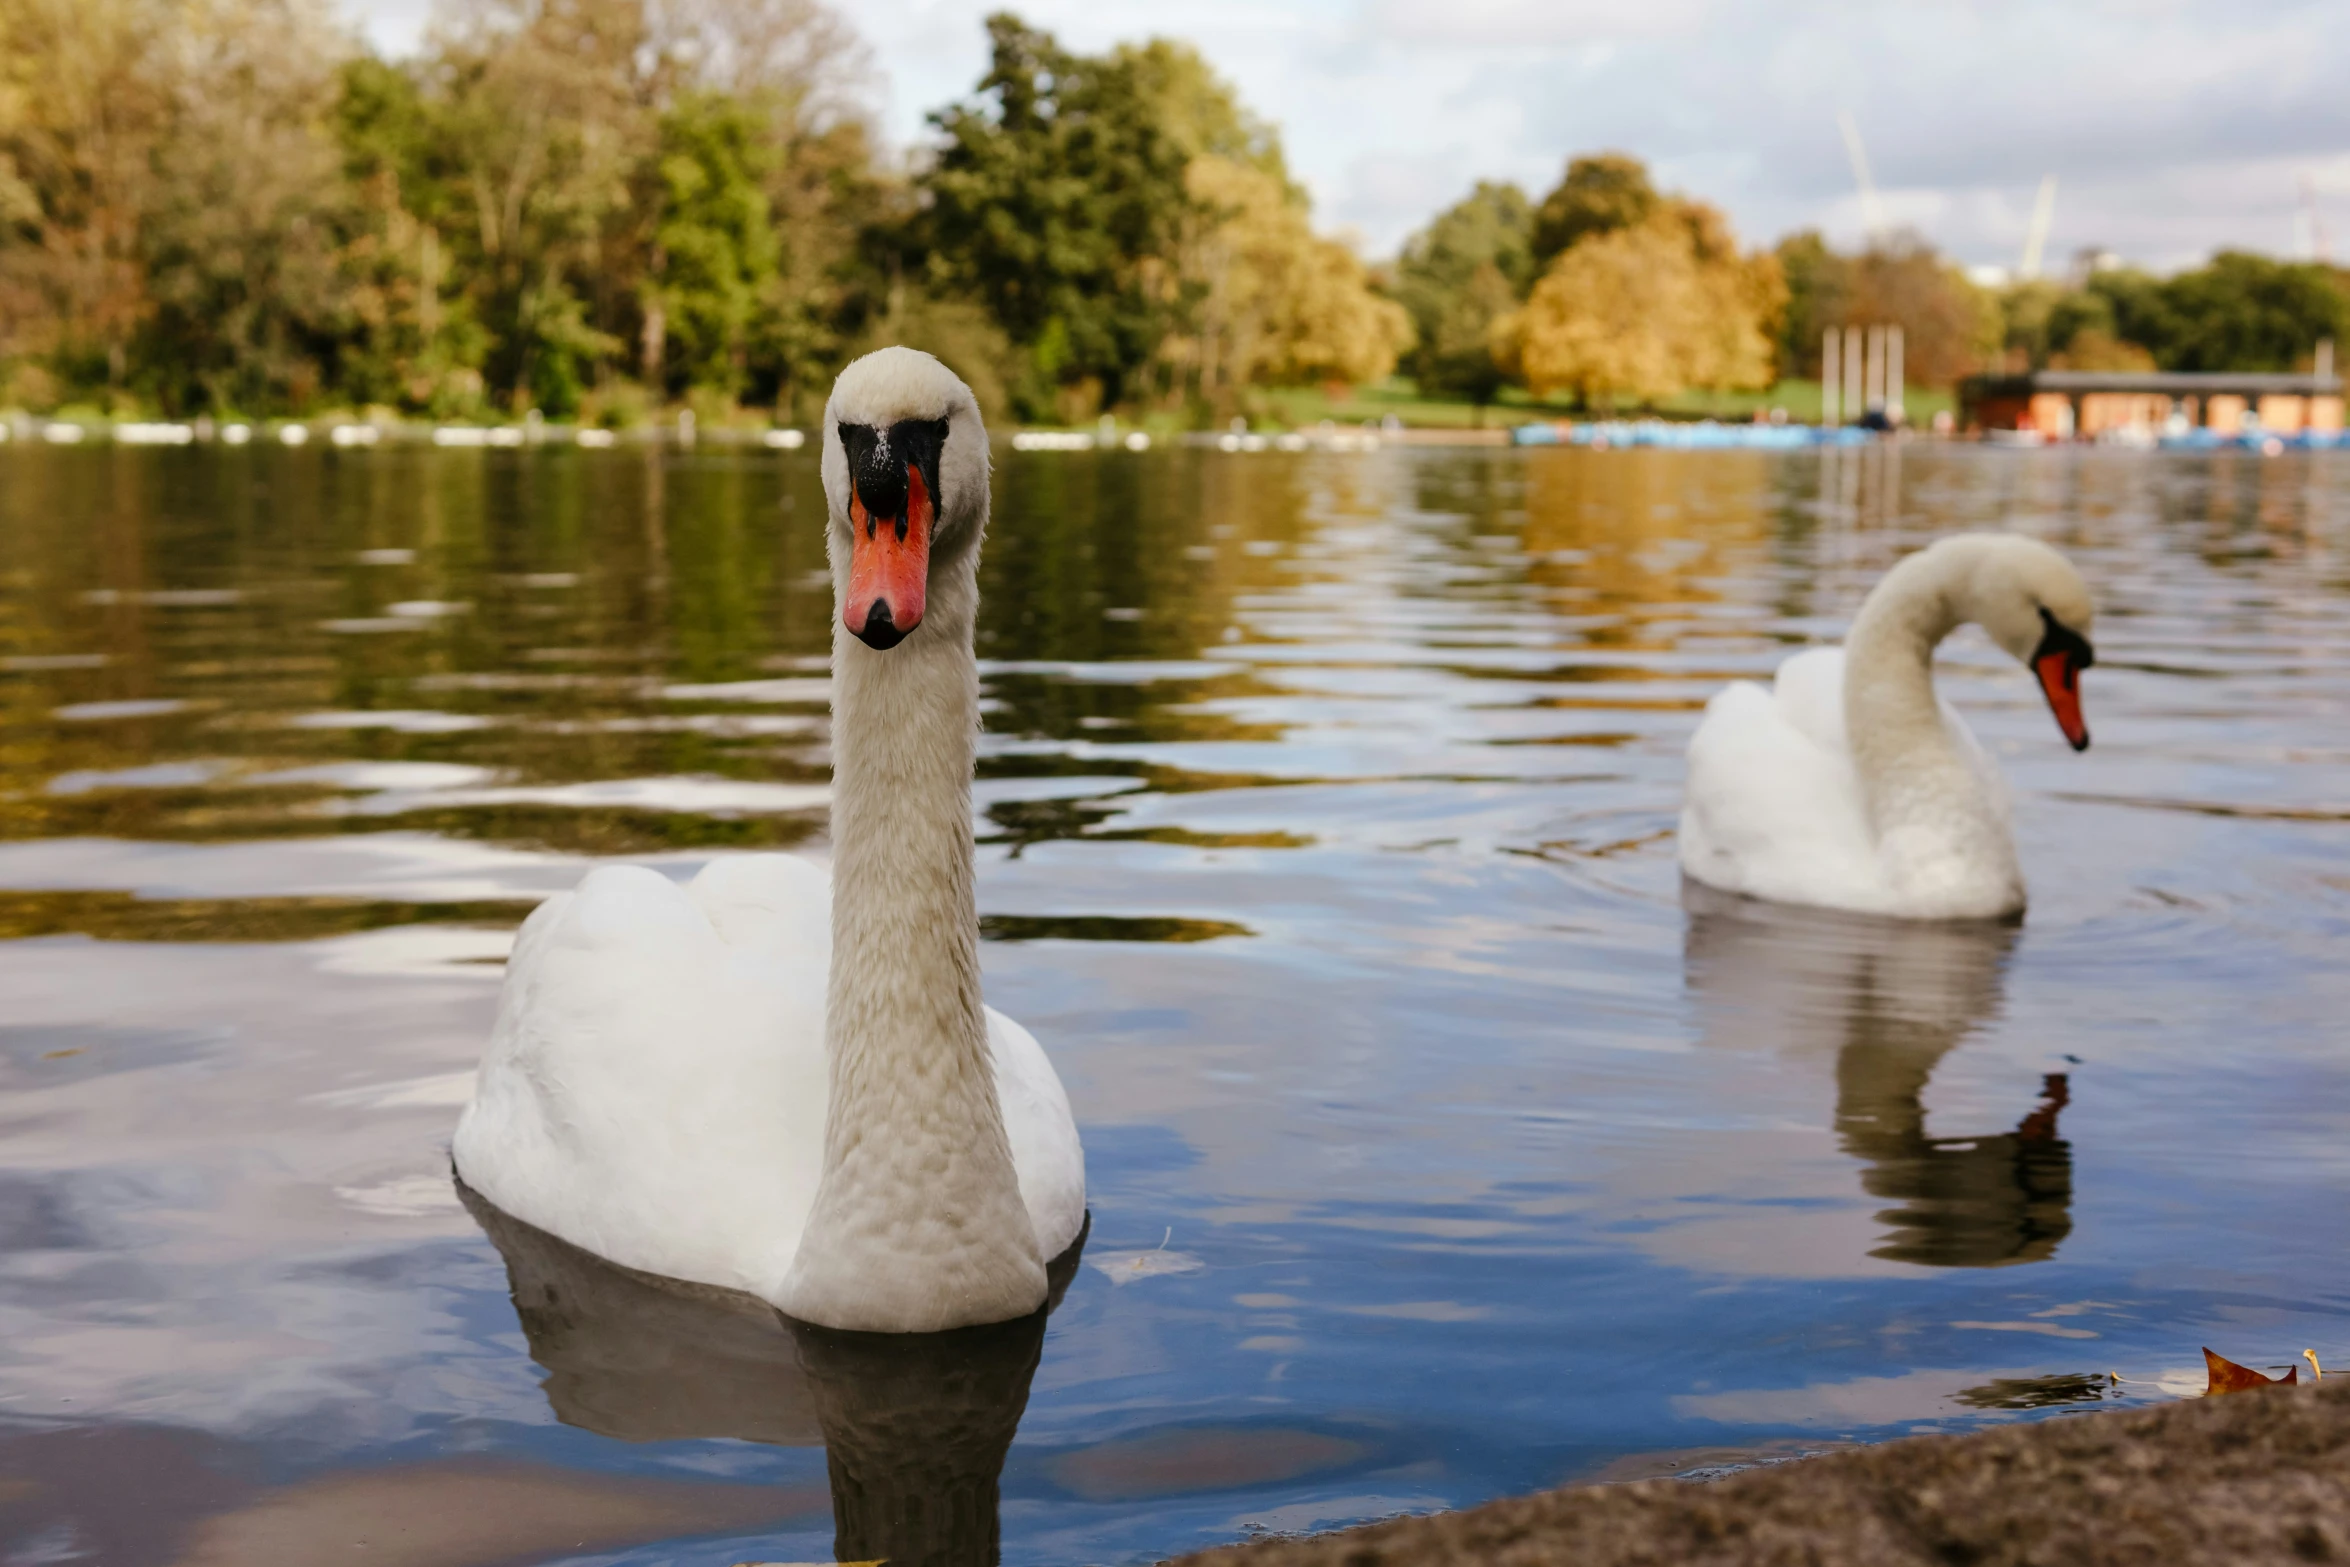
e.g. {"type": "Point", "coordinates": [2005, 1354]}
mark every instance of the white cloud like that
{"type": "Point", "coordinates": [2174, 127]}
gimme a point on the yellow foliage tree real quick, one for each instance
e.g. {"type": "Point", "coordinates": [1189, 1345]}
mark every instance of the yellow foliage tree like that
{"type": "Point", "coordinates": [1279, 304]}
{"type": "Point", "coordinates": [1642, 313]}
{"type": "Point", "coordinates": [84, 107]}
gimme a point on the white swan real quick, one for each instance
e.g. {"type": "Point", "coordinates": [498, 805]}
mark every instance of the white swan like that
{"type": "Point", "coordinates": [761, 1082]}
{"type": "Point", "coordinates": [1850, 784]}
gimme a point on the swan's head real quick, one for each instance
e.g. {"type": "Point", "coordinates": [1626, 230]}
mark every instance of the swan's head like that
{"type": "Point", "coordinates": [2036, 606]}
{"type": "Point", "coordinates": [905, 473]}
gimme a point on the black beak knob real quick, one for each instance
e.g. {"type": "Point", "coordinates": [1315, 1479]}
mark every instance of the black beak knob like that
{"type": "Point", "coordinates": [879, 631]}
{"type": "Point", "coordinates": [881, 486]}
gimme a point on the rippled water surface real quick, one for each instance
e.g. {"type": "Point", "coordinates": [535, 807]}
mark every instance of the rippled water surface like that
{"type": "Point", "coordinates": [1437, 1148]}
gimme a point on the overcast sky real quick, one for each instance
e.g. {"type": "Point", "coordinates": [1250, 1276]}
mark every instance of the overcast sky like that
{"type": "Point", "coordinates": [2174, 127]}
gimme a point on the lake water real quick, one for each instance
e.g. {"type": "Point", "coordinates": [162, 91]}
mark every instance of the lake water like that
{"type": "Point", "coordinates": [1437, 1150]}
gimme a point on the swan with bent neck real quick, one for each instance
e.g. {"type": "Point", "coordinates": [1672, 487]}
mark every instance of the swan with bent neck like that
{"type": "Point", "coordinates": [1850, 784]}
{"type": "Point", "coordinates": [771, 1083]}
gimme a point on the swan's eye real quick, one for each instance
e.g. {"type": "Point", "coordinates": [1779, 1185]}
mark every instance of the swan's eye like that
{"type": "Point", "coordinates": [2061, 638]}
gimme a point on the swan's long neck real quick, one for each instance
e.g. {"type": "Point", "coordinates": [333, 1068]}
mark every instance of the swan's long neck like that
{"type": "Point", "coordinates": [1925, 797]}
{"type": "Point", "coordinates": [918, 1223]}
{"type": "Point", "coordinates": [1892, 720]}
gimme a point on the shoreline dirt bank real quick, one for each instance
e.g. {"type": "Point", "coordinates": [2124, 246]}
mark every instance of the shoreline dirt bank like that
{"type": "Point", "coordinates": [2261, 1477]}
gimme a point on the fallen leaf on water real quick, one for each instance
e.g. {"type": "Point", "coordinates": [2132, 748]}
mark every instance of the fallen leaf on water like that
{"type": "Point", "coordinates": [1126, 1267]}
{"type": "Point", "coordinates": [2228, 1377]}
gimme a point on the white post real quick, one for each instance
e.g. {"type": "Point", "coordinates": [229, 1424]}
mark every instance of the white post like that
{"type": "Point", "coordinates": [1831, 362]}
{"type": "Point", "coordinates": [1893, 387]}
{"type": "Point", "coordinates": [1855, 385]}
{"type": "Point", "coordinates": [1873, 391]}
{"type": "Point", "coordinates": [2325, 359]}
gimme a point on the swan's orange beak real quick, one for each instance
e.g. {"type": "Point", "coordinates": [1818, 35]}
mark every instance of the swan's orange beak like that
{"type": "Point", "coordinates": [2059, 670]}
{"type": "Point", "coordinates": [889, 563]}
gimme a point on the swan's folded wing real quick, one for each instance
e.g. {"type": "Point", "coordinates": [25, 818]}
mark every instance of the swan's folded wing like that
{"type": "Point", "coordinates": [635, 1095]}
{"type": "Point", "coordinates": [1809, 689]}
{"type": "Point", "coordinates": [1770, 812]}
{"type": "Point", "coordinates": [775, 902]}
{"type": "Point", "coordinates": [1043, 1134]}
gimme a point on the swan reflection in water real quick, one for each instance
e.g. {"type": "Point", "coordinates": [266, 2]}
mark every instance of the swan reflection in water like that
{"type": "Point", "coordinates": [1893, 997]}
{"type": "Point", "coordinates": [915, 1427]}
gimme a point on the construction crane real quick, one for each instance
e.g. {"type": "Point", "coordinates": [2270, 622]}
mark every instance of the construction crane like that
{"type": "Point", "coordinates": [1872, 211]}
{"type": "Point", "coordinates": [2036, 237]}
{"type": "Point", "coordinates": [2314, 239]}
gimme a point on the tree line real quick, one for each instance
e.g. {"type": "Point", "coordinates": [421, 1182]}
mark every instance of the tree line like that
{"type": "Point", "coordinates": [1617, 294]}
{"type": "Point", "coordinates": [597, 208]}
{"type": "Point", "coordinates": [592, 207]}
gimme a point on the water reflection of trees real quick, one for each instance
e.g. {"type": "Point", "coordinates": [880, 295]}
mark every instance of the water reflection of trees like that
{"type": "Point", "coordinates": [550, 598]}
{"type": "Point", "coordinates": [1642, 536]}
{"type": "Point", "coordinates": [1893, 998]}
{"type": "Point", "coordinates": [915, 1427]}
{"type": "Point", "coordinates": [1112, 556]}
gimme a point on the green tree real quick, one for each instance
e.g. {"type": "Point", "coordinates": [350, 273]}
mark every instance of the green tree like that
{"type": "Point", "coordinates": [563, 192]}
{"type": "Point", "coordinates": [1458, 276]}
{"type": "Point", "coordinates": [1819, 290]}
{"type": "Point", "coordinates": [2242, 312]}
{"type": "Point", "coordinates": [416, 339]}
{"type": "Point", "coordinates": [1599, 194]}
{"type": "Point", "coordinates": [714, 251]}
{"type": "Point", "coordinates": [2237, 312]}
{"type": "Point", "coordinates": [1056, 198]}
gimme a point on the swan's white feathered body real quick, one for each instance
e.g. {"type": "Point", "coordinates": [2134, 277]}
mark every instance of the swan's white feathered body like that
{"type": "Point", "coordinates": [1850, 784]}
{"type": "Point", "coordinates": [655, 1088]}
{"type": "Point", "coordinates": [775, 1084]}
{"type": "Point", "coordinates": [1775, 809]}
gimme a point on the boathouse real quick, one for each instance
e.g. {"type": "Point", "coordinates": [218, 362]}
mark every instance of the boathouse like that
{"type": "Point", "coordinates": [2086, 404]}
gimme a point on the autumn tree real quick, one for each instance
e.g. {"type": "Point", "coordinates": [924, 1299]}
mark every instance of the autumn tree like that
{"type": "Point", "coordinates": [1277, 303]}
{"type": "Point", "coordinates": [169, 197]}
{"type": "Point", "coordinates": [1642, 312]}
{"type": "Point", "coordinates": [86, 100]}
{"type": "Point", "coordinates": [241, 241]}
{"type": "Point", "coordinates": [1950, 328]}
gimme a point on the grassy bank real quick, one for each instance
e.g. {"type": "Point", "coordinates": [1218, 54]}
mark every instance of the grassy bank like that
{"type": "Point", "coordinates": [1304, 405]}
